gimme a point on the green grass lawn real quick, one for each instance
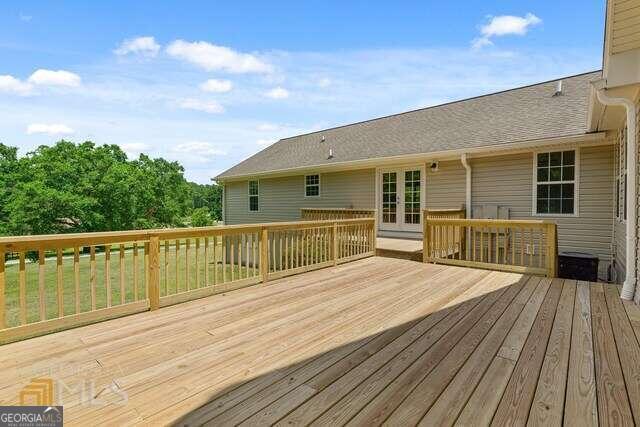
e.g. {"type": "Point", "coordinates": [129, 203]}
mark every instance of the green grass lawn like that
{"type": "Point", "coordinates": [51, 288]}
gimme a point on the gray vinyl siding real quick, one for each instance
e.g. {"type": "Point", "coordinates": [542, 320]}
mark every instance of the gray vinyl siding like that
{"type": "Point", "coordinates": [280, 199]}
{"type": "Point", "coordinates": [508, 181]}
{"type": "Point", "coordinates": [446, 188]}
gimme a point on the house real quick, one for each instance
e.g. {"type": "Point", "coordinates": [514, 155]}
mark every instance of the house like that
{"type": "Point", "coordinates": [563, 150]}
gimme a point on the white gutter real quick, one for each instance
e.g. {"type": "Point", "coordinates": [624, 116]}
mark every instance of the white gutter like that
{"type": "Point", "coordinates": [629, 286]}
{"type": "Point", "coordinates": [467, 167]}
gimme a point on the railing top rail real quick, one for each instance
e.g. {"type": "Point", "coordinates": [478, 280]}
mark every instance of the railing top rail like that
{"type": "Point", "coordinates": [53, 241]}
{"type": "Point", "coordinates": [444, 211]}
{"type": "Point", "coordinates": [317, 223]}
{"type": "Point", "coordinates": [337, 210]}
{"type": "Point", "coordinates": [490, 222]}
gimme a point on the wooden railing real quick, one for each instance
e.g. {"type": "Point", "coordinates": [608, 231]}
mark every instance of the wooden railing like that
{"type": "Point", "coordinates": [505, 245]}
{"type": "Point", "coordinates": [316, 214]}
{"type": "Point", "coordinates": [445, 213]}
{"type": "Point", "coordinates": [61, 281]}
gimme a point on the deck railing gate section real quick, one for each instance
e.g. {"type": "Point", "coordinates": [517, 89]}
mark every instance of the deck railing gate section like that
{"type": "Point", "coordinates": [526, 246]}
{"type": "Point", "coordinates": [61, 281]}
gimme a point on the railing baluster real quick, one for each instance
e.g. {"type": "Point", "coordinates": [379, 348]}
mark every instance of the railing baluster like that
{"type": "Point", "coordinates": [147, 251]}
{"type": "Point", "coordinates": [215, 260]}
{"type": "Point", "coordinates": [22, 279]}
{"type": "Point", "coordinates": [166, 245]}
{"type": "Point", "coordinates": [224, 258]}
{"type": "Point", "coordinates": [93, 275]}
{"type": "Point", "coordinates": [122, 275]}
{"type": "Point", "coordinates": [187, 263]}
{"type": "Point", "coordinates": [107, 273]}
{"type": "Point", "coordinates": [136, 271]}
{"type": "Point", "coordinates": [206, 261]}
{"type": "Point", "coordinates": [239, 260]}
{"type": "Point", "coordinates": [246, 250]}
{"type": "Point", "coordinates": [264, 254]}
{"type": "Point", "coordinates": [60, 283]}
{"type": "Point", "coordinates": [177, 263]}
{"type": "Point", "coordinates": [197, 262]}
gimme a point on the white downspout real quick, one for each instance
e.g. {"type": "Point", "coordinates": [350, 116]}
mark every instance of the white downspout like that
{"type": "Point", "coordinates": [629, 286]}
{"type": "Point", "coordinates": [467, 167]}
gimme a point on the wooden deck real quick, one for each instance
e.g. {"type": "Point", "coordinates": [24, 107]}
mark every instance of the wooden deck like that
{"type": "Point", "coordinates": [372, 341]}
{"type": "Point", "coordinates": [392, 247]}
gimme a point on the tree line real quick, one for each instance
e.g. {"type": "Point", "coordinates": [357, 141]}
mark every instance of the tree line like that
{"type": "Point", "coordinates": [70, 188]}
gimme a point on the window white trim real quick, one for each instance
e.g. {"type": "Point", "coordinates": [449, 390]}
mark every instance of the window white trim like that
{"type": "Point", "coordinates": [576, 183]}
{"type": "Point", "coordinates": [249, 195]}
{"type": "Point", "coordinates": [312, 185]}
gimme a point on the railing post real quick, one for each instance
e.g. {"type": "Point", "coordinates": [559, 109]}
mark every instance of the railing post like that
{"type": "Point", "coordinates": [2, 290]}
{"type": "Point", "coordinates": [426, 237]}
{"type": "Point", "coordinates": [153, 290]}
{"type": "Point", "coordinates": [264, 255]}
{"type": "Point", "coordinates": [552, 250]}
{"type": "Point", "coordinates": [375, 231]}
{"type": "Point", "coordinates": [335, 244]}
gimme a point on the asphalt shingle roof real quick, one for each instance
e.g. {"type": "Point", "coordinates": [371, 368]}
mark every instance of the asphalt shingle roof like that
{"type": "Point", "coordinates": [517, 115]}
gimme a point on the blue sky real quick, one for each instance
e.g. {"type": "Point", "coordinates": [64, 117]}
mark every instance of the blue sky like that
{"type": "Point", "coordinates": [210, 83]}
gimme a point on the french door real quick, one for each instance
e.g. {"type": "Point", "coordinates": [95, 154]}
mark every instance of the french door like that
{"type": "Point", "coordinates": [401, 199]}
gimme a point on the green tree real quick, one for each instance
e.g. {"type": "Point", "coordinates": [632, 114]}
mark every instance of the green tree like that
{"type": "Point", "coordinates": [8, 169]}
{"type": "Point", "coordinates": [71, 187]}
{"type": "Point", "coordinates": [200, 217]}
{"type": "Point", "coordinates": [208, 196]}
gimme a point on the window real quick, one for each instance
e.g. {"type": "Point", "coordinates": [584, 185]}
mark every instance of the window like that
{"type": "Point", "coordinates": [389, 197]}
{"type": "Point", "coordinates": [412, 197]}
{"type": "Point", "coordinates": [312, 185]}
{"type": "Point", "coordinates": [556, 183]}
{"type": "Point", "coordinates": [254, 190]}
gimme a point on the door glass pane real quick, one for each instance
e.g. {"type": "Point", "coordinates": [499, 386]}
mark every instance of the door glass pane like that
{"type": "Point", "coordinates": [412, 197]}
{"type": "Point", "coordinates": [389, 197]}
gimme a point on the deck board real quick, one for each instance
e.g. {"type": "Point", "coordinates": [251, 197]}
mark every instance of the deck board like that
{"type": "Point", "coordinates": [379, 340]}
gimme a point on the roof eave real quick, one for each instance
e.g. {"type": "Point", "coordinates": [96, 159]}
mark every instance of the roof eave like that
{"type": "Point", "coordinates": [583, 138]}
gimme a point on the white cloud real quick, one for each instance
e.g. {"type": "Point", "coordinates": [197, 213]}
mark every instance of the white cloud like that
{"type": "Point", "coordinates": [267, 127]}
{"type": "Point", "coordinates": [324, 82]}
{"type": "Point", "coordinates": [266, 142]}
{"type": "Point", "coordinates": [277, 93]}
{"type": "Point", "coordinates": [134, 149]}
{"type": "Point", "coordinates": [217, 58]}
{"type": "Point", "coordinates": [50, 129]}
{"type": "Point", "coordinates": [25, 18]}
{"type": "Point", "coordinates": [195, 152]}
{"type": "Point", "coordinates": [54, 78]}
{"type": "Point", "coordinates": [505, 25]}
{"type": "Point", "coordinates": [10, 84]}
{"type": "Point", "coordinates": [145, 46]}
{"type": "Point", "coordinates": [218, 86]}
{"type": "Point", "coordinates": [199, 148]}
{"type": "Point", "coordinates": [207, 106]}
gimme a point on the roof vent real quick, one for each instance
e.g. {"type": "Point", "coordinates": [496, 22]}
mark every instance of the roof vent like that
{"type": "Point", "coordinates": [330, 153]}
{"type": "Point", "coordinates": [558, 88]}
{"type": "Point", "coordinates": [322, 139]}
